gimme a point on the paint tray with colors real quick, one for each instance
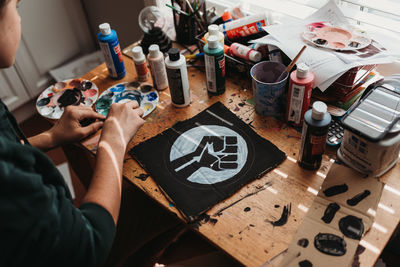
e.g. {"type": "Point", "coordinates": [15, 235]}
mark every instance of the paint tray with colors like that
{"type": "Point", "coordinates": [323, 34]}
{"type": "Point", "coordinates": [203, 160]}
{"type": "Point", "coordinates": [52, 101]}
{"type": "Point", "coordinates": [143, 93]}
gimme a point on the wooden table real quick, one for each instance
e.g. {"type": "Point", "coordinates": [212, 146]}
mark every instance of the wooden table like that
{"type": "Point", "coordinates": [248, 236]}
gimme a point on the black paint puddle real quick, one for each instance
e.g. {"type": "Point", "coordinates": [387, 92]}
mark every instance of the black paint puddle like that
{"type": "Point", "coordinates": [284, 217]}
{"type": "Point", "coordinates": [143, 176]}
{"type": "Point", "coordinates": [352, 227]}
{"type": "Point", "coordinates": [247, 209]}
{"type": "Point", "coordinates": [357, 198]}
{"type": "Point", "coordinates": [330, 244]}
{"type": "Point", "coordinates": [336, 190]}
{"type": "Point", "coordinates": [330, 212]}
{"type": "Point", "coordinates": [303, 242]}
{"type": "Point", "coordinates": [305, 263]}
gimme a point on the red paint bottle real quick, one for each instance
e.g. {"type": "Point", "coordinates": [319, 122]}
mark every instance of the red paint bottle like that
{"type": "Point", "coordinates": [300, 88]}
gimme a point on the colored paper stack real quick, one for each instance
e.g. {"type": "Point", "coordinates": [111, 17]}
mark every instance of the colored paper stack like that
{"type": "Point", "coordinates": [349, 87]}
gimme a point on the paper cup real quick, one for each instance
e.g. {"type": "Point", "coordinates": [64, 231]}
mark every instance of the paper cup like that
{"type": "Point", "coordinates": [267, 90]}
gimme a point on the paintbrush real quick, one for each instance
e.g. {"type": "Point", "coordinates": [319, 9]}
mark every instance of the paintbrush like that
{"type": "Point", "coordinates": [177, 10]}
{"type": "Point", "coordinates": [197, 17]}
{"type": "Point", "coordinates": [291, 65]}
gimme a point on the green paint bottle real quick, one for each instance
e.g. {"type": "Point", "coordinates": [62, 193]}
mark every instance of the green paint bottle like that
{"type": "Point", "coordinates": [214, 58]}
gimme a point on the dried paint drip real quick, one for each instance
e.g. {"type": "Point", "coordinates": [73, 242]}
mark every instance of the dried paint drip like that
{"type": "Point", "coordinates": [330, 212]}
{"type": "Point", "coordinates": [284, 217]}
{"type": "Point", "coordinates": [357, 198]}
{"type": "Point", "coordinates": [303, 242]}
{"type": "Point", "coordinates": [247, 209]}
{"type": "Point", "coordinates": [330, 244]}
{"type": "Point", "coordinates": [336, 190]}
{"type": "Point", "coordinates": [142, 176]}
{"type": "Point", "coordinates": [352, 227]}
{"type": "Point", "coordinates": [305, 263]}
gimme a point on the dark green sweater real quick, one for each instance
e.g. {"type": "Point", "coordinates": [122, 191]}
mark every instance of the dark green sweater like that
{"type": "Point", "coordinates": [39, 225]}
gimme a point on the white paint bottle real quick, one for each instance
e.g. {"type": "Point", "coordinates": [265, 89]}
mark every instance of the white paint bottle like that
{"type": "Point", "coordinates": [157, 67]}
{"type": "Point", "coordinates": [177, 78]}
{"type": "Point", "coordinates": [140, 63]}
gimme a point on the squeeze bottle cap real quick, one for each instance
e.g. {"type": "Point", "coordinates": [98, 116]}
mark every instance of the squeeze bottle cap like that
{"type": "Point", "coordinates": [255, 56]}
{"type": "Point", "coordinates": [154, 50]}
{"type": "Point", "coordinates": [302, 70]}
{"type": "Point", "coordinates": [137, 52]}
{"type": "Point", "coordinates": [213, 42]}
{"type": "Point", "coordinates": [226, 16]}
{"type": "Point", "coordinates": [173, 54]}
{"type": "Point", "coordinates": [319, 109]}
{"type": "Point", "coordinates": [105, 28]}
{"type": "Point", "coordinates": [213, 29]}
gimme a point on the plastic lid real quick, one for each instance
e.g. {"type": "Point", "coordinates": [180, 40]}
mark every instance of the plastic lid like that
{"type": "Point", "coordinates": [173, 54]}
{"type": "Point", "coordinates": [137, 52]}
{"type": "Point", "coordinates": [213, 42]}
{"type": "Point", "coordinates": [213, 29]}
{"type": "Point", "coordinates": [154, 50]}
{"type": "Point", "coordinates": [105, 28]}
{"type": "Point", "coordinates": [319, 109]}
{"type": "Point", "coordinates": [255, 56]}
{"type": "Point", "coordinates": [302, 70]}
{"type": "Point", "coordinates": [226, 16]}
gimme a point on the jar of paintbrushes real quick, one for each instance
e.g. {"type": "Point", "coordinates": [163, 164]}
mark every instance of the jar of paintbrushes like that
{"type": "Point", "coordinates": [189, 19]}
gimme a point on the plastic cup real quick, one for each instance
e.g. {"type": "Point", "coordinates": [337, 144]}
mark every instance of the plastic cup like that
{"type": "Point", "coordinates": [267, 91]}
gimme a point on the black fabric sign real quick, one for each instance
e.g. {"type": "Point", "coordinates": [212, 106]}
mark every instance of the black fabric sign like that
{"type": "Point", "coordinates": [205, 159]}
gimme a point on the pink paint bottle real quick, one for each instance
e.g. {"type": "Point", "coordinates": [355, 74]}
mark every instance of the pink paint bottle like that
{"type": "Point", "coordinates": [299, 95]}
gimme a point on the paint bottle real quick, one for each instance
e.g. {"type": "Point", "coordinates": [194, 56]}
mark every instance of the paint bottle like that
{"type": "Point", "coordinates": [299, 95]}
{"type": "Point", "coordinates": [214, 30]}
{"type": "Point", "coordinates": [214, 58]}
{"type": "Point", "coordinates": [243, 27]}
{"type": "Point", "coordinates": [140, 63]}
{"type": "Point", "coordinates": [177, 78]}
{"type": "Point", "coordinates": [157, 67]}
{"type": "Point", "coordinates": [244, 52]}
{"type": "Point", "coordinates": [313, 138]}
{"type": "Point", "coordinates": [109, 45]}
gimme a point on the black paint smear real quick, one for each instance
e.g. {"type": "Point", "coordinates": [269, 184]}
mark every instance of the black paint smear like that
{"type": "Point", "coordinates": [247, 209]}
{"type": "Point", "coordinates": [71, 97]}
{"type": "Point", "coordinates": [303, 242]}
{"type": "Point", "coordinates": [352, 227]}
{"type": "Point", "coordinates": [201, 219]}
{"type": "Point", "coordinates": [336, 190]}
{"type": "Point", "coordinates": [43, 102]}
{"type": "Point", "coordinates": [305, 263]}
{"type": "Point", "coordinates": [330, 212]}
{"type": "Point", "coordinates": [276, 206]}
{"type": "Point", "coordinates": [267, 184]}
{"type": "Point", "coordinates": [357, 198]}
{"type": "Point", "coordinates": [330, 244]}
{"type": "Point", "coordinates": [284, 217]}
{"type": "Point", "coordinates": [143, 176]}
{"type": "Point", "coordinates": [241, 104]}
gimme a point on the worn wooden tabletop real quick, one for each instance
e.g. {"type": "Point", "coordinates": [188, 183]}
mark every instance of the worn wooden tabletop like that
{"type": "Point", "coordinates": [243, 230]}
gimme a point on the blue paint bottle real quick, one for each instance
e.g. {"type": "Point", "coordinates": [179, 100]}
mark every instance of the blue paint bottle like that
{"type": "Point", "coordinates": [109, 45]}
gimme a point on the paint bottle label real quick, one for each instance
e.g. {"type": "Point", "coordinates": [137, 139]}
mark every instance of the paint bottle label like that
{"type": "Point", "coordinates": [215, 73]}
{"type": "Point", "coordinates": [105, 48]}
{"type": "Point", "coordinates": [210, 73]}
{"type": "Point", "coordinates": [142, 71]}
{"type": "Point", "coordinates": [158, 74]}
{"type": "Point", "coordinates": [176, 86]}
{"type": "Point", "coordinates": [296, 103]}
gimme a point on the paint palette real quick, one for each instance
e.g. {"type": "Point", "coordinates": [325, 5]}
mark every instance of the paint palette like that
{"type": "Point", "coordinates": [143, 93]}
{"type": "Point", "coordinates": [54, 99]}
{"type": "Point", "coordinates": [323, 34]}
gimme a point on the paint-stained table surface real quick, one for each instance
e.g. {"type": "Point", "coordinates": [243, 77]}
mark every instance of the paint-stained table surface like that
{"type": "Point", "coordinates": [243, 230]}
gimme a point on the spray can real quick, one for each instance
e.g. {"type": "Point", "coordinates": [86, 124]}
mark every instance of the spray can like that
{"type": "Point", "coordinates": [313, 137]}
{"type": "Point", "coordinates": [299, 96]}
{"type": "Point", "coordinates": [109, 45]}
{"type": "Point", "coordinates": [177, 78]}
{"type": "Point", "coordinates": [214, 58]}
{"type": "Point", "coordinates": [157, 67]}
{"type": "Point", "coordinates": [140, 63]}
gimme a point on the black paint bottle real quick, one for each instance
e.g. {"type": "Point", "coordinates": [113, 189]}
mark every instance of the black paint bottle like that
{"type": "Point", "coordinates": [313, 138]}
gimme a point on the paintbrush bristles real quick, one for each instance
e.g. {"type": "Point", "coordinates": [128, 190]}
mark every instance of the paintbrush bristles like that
{"type": "Point", "coordinates": [289, 68]}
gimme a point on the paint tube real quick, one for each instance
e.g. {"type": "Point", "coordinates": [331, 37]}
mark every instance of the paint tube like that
{"type": "Point", "coordinates": [243, 27]}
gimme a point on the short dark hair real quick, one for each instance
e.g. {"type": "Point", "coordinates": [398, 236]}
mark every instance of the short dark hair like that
{"type": "Point", "coordinates": [3, 3]}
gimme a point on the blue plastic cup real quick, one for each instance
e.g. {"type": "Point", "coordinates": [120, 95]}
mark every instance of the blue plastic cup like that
{"type": "Point", "coordinates": [267, 89]}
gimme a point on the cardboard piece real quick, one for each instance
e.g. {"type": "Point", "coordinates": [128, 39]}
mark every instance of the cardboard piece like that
{"type": "Point", "coordinates": [203, 160]}
{"type": "Point", "coordinates": [331, 224]}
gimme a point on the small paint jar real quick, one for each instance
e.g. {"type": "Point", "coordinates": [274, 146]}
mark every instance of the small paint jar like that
{"type": "Point", "coordinates": [140, 63]}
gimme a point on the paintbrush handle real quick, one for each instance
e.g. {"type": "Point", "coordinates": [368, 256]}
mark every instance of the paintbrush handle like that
{"type": "Point", "coordinates": [288, 69]}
